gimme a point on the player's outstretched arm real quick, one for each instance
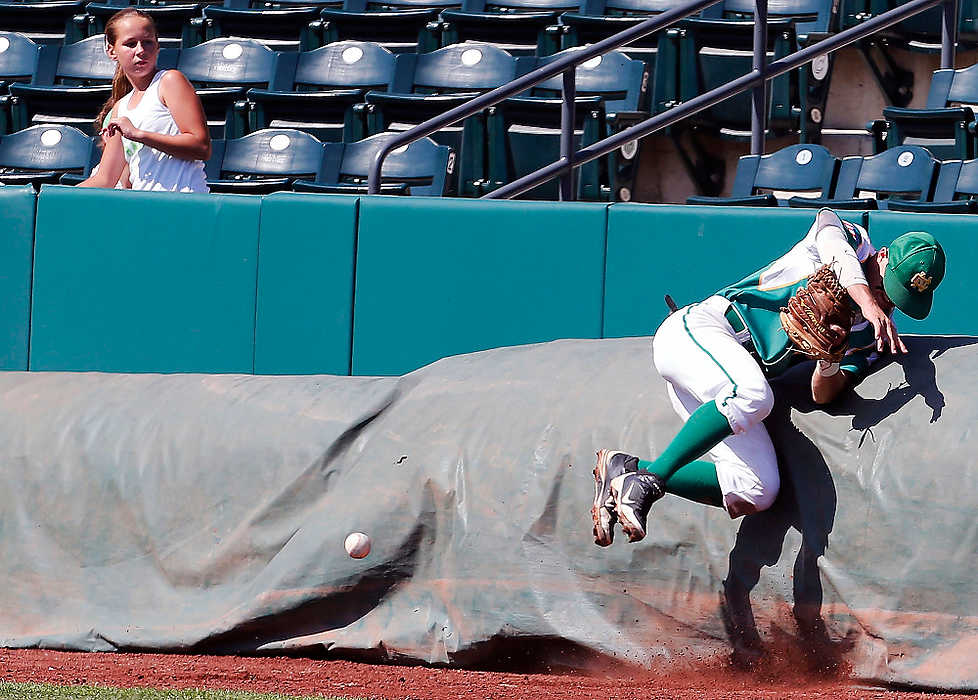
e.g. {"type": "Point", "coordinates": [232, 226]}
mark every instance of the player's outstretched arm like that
{"type": "Point", "coordinates": [883, 328]}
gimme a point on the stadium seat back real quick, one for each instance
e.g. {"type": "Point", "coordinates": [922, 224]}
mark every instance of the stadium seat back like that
{"type": "Point", "coordinates": [905, 173]}
{"type": "Point", "coordinates": [424, 167]}
{"type": "Point", "coordinates": [345, 64]}
{"type": "Point", "coordinates": [463, 67]}
{"type": "Point", "coordinates": [273, 152]}
{"type": "Point", "coordinates": [43, 153]}
{"type": "Point", "coordinates": [18, 59]}
{"type": "Point", "coordinates": [228, 61]}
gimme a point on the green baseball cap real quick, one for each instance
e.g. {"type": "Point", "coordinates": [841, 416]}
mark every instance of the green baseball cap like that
{"type": "Point", "coordinates": [914, 269]}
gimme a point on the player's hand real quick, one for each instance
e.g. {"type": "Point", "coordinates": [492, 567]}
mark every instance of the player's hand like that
{"type": "Point", "coordinates": [122, 125]}
{"type": "Point", "coordinates": [884, 330]}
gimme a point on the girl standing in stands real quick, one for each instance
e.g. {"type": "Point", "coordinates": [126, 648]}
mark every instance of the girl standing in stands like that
{"type": "Point", "coordinates": [156, 124]}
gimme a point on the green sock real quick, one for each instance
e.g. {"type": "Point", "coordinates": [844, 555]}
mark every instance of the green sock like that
{"type": "Point", "coordinates": [696, 481]}
{"type": "Point", "coordinates": [704, 429]}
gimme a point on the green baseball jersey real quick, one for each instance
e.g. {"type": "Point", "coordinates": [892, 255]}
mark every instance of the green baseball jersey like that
{"type": "Point", "coordinates": [758, 298]}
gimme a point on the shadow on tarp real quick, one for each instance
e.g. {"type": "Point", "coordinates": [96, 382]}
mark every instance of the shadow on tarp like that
{"type": "Point", "coordinates": [807, 503]}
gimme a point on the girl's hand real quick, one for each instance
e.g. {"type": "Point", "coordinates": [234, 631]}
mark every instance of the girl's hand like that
{"type": "Point", "coordinates": [122, 125]}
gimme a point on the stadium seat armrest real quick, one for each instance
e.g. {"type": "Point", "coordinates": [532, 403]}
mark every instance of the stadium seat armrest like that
{"type": "Point", "coordinates": [818, 203]}
{"type": "Point", "coordinates": [754, 200]}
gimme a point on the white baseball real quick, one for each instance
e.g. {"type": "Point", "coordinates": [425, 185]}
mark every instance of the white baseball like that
{"type": "Point", "coordinates": [357, 545]}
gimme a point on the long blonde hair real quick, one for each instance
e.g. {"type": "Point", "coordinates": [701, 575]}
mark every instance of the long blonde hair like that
{"type": "Point", "coordinates": [120, 83]}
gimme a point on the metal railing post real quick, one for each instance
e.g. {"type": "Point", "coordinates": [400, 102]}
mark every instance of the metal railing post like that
{"type": "Point", "coordinates": [758, 99]}
{"type": "Point", "coordinates": [949, 33]}
{"type": "Point", "coordinates": [568, 191]}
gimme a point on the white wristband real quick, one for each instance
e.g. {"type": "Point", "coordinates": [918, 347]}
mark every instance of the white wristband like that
{"type": "Point", "coordinates": [827, 369]}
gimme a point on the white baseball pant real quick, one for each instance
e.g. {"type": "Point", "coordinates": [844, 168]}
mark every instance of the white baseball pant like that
{"type": "Point", "coordinates": [701, 359]}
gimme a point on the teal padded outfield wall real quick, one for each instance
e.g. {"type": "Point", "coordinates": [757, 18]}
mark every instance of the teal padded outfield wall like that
{"type": "Point", "coordinates": [306, 259]}
{"type": "Point", "coordinates": [16, 251]}
{"type": "Point", "coordinates": [144, 281]}
{"type": "Point", "coordinates": [439, 277]}
{"type": "Point", "coordinates": [330, 284]}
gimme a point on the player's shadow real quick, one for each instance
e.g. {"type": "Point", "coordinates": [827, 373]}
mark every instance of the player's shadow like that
{"type": "Point", "coordinates": [807, 503]}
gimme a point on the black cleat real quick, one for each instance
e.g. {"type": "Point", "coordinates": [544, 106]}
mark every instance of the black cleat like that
{"type": "Point", "coordinates": [610, 464]}
{"type": "Point", "coordinates": [634, 493]}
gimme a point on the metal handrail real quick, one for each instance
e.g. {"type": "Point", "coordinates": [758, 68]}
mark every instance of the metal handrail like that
{"type": "Point", "coordinates": [710, 98]}
{"type": "Point", "coordinates": [518, 85]}
{"type": "Point", "coordinates": [758, 76]}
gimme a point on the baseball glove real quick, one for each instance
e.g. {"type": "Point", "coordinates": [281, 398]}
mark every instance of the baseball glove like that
{"type": "Point", "coordinates": [818, 317]}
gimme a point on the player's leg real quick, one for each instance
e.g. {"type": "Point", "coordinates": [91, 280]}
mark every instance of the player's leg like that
{"type": "Point", "coordinates": [743, 477]}
{"type": "Point", "coordinates": [696, 352]}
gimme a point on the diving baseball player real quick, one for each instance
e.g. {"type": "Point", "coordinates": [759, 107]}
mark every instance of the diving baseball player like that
{"type": "Point", "coordinates": [718, 355]}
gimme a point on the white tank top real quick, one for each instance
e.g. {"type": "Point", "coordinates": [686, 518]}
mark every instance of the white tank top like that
{"type": "Point", "coordinates": [150, 169]}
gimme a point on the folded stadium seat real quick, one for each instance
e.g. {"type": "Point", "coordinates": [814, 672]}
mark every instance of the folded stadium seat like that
{"type": "Point", "coordinates": [519, 26]}
{"type": "Point", "coordinates": [282, 28]}
{"type": "Point", "coordinates": [173, 18]}
{"type": "Point", "coordinates": [43, 153]}
{"type": "Point", "coordinates": [265, 161]}
{"type": "Point", "coordinates": [713, 52]}
{"type": "Point", "coordinates": [945, 126]}
{"type": "Point", "coordinates": [429, 84]}
{"type": "Point", "coordinates": [420, 168]}
{"type": "Point", "coordinates": [70, 85]}
{"type": "Point", "coordinates": [524, 131]}
{"type": "Point", "coordinates": [956, 191]}
{"type": "Point", "coordinates": [906, 172]}
{"type": "Point", "coordinates": [802, 168]}
{"type": "Point", "coordinates": [43, 21]}
{"type": "Point", "coordinates": [325, 85]}
{"type": "Point", "coordinates": [398, 25]}
{"type": "Point", "coordinates": [222, 71]}
{"type": "Point", "coordinates": [812, 20]}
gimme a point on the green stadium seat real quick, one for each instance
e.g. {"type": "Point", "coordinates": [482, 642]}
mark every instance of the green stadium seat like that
{"type": "Point", "coordinates": [421, 168]}
{"type": "Point", "coordinates": [812, 20]}
{"type": "Point", "coordinates": [906, 172]}
{"type": "Point", "coordinates": [324, 87]}
{"type": "Point", "coordinates": [519, 26]}
{"type": "Point", "coordinates": [946, 126]}
{"type": "Point", "coordinates": [956, 191]}
{"type": "Point", "coordinates": [802, 168]}
{"type": "Point", "coordinates": [43, 21]}
{"type": "Point", "coordinates": [428, 84]}
{"type": "Point", "coordinates": [265, 161]}
{"type": "Point", "coordinates": [222, 71]}
{"type": "Point", "coordinates": [398, 25]}
{"type": "Point", "coordinates": [524, 131]}
{"type": "Point", "coordinates": [43, 153]}
{"type": "Point", "coordinates": [713, 52]}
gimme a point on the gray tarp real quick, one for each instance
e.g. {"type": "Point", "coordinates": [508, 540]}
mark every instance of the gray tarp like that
{"type": "Point", "coordinates": [208, 513]}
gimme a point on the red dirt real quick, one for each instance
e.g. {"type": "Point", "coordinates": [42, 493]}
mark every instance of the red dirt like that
{"type": "Point", "coordinates": [299, 676]}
